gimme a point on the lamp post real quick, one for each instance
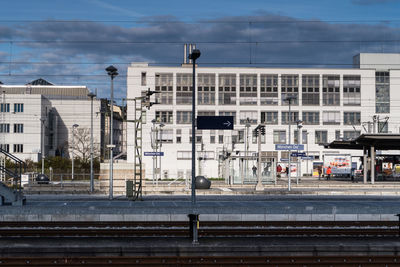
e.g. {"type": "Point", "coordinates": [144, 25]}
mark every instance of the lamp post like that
{"type": "Point", "coordinates": [299, 126]}
{"type": "Point", "coordinates": [246, 148]}
{"type": "Point", "coordinates": [290, 99]}
{"type": "Point", "coordinates": [194, 217]}
{"type": "Point", "coordinates": [112, 72]}
{"type": "Point", "coordinates": [161, 131]}
{"type": "Point", "coordinates": [73, 148]}
{"type": "Point", "coordinates": [91, 95]}
{"type": "Point", "coordinates": [42, 120]}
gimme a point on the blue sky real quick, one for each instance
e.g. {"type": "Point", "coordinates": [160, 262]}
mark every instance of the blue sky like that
{"type": "Point", "coordinates": [71, 42]}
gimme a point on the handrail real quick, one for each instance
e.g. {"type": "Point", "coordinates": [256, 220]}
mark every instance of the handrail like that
{"type": "Point", "coordinates": [11, 156]}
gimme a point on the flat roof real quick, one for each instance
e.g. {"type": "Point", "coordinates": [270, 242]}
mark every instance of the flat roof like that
{"type": "Point", "coordinates": [379, 141]}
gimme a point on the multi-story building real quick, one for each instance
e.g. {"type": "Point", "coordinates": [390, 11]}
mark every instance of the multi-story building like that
{"type": "Point", "coordinates": [56, 115]}
{"type": "Point", "coordinates": [331, 103]}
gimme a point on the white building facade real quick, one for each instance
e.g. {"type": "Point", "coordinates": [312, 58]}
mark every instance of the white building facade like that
{"type": "Point", "coordinates": [31, 114]}
{"type": "Point", "coordinates": [333, 104]}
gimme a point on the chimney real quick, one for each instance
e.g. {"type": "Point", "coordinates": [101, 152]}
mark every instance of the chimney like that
{"type": "Point", "coordinates": [184, 53]}
{"type": "Point", "coordinates": [190, 51]}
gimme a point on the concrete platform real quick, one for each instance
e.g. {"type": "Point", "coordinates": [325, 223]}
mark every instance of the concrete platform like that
{"type": "Point", "coordinates": [210, 208]}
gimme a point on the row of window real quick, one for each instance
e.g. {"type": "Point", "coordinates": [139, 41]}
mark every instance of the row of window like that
{"type": "Point", "coordinates": [18, 107]}
{"type": "Point", "coordinates": [17, 148]}
{"type": "Point", "coordinates": [267, 117]}
{"type": "Point", "coordinates": [227, 87]}
{"type": "Point", "coordinates": [5, 128]}
{"type": "Point", "coordinates": [239, 136]}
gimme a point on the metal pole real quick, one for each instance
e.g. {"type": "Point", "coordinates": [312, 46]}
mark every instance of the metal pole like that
{"type": "Point", "coordinates": [73, 148]}
{"type": "Point", "coordinates": [307, 151]}
{"type": "Point", "coordinates": [194, 135]}
{"type": "Point", "coordinates": [153, 144]}
{"type": "Point", "coordinates": [160, 151]}
{"type": "Point", "coordinates": [91, 145]}
{"type": "Point", "coordinates": [42, 120]}
{"type": "Point", "coordinates": [111, 138]}
{"type": "Point", "coordinates": [290, 162]}
{"type": "Point", "coordinates": [259, 185]}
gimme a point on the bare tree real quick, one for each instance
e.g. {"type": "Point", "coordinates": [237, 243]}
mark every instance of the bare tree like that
{"type": "Point", "coordinates": [81, 144]}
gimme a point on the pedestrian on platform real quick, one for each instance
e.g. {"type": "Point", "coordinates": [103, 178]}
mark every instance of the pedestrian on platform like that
{"type": "Point", "coordinates": [254, 170]}
{"type": "Point", "coordinates": [319, 173]}
{"type": "Point", "coordinates": [279, 169]}
{"type": "Point", "coordinates": [328, 173]}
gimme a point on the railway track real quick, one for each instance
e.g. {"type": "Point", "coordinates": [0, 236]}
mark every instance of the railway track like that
{"type": "Point", "coordinates": [206, 229]}
{"type": "Point", "coordinates": [303, 261]}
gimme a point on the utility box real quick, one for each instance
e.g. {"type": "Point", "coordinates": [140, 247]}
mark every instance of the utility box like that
{"type": "Point", "coordinates": [129, 189]}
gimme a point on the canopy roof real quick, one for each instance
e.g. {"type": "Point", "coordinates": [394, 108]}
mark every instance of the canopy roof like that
{"type": "Point", "coordinates": [379, 141]}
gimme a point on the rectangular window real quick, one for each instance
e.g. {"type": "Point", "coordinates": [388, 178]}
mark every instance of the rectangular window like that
{"type": "Point", "coordinates": [269, 117]}
{"type": "Point", "coordinates": [229, 113]}
{"type": "Point", "coordinates": [285, 117]}
{"type": "Point", "coordinates": [5, 147]}
{"type": "Point", "coordinates": [310, 90]}
{"type": "Point", "coordinates": [4, 107]}
{"type": "Point", "coordinates": [164, 88]}
{"type": "Point", "coordinates": [382, 96]}
{"type": "Point", "coordinates": [296, 137]}
{"type": "Point", "coordinates": [383, 127]}
{"type": "Point", "coordinates": [269, 89]}
{"type": "Point", "coordinates": [4, 127]}
{"type": "Point", "coordinates": [251, 115]}
{"type": "Point", "coordinates": [255, 138]}
{"type": "Point", "coordinates": [321, 137]}
{"type": "Point", "coordinates": [184, 86]}
{"type": "Point", "coordinates": [304, 134]}
{"type": "Point", "coordinates": [206, 113]}
{"type": "Point", "coordinates": [290, 88]}
{"type": "Point", "coordinates": [143, 81]}
{"type": "Point", "coordinates": [164, 117]}
{"type": "Point", "coordinates": [220, 137]}
{"type": "Point", "coordinates": [352, 118]}
{"type": "Point", "coordinates": [227, 89]}
{"type": "Point", "coordinates": [166, 135]}
{"type": "Point", "coordinates": [240, 134]}
{"type": "Point", "coordinates": [311, 117]}
{"type": "Point", "coordinates": [350, 135]}
{"type": "Point", "coordinates": [183, 117]}
{"type": "Point", "coordinates": [18, 128]}
{"type": "Point", "coordinates": [212, 136]}
{"type": "Point", "coordinates": [351, 90]}
{"type": "Point", "coordinates": [331, 90]}
{"type": "Point", "coordinates": [184, 154]}
{"type": "Point", "coordinates": [18, 107]}
{"type": "Point", "coordinates": [331, 117]}
{"type": "Point", "coordinates": [248, 89]}
{"type": "Point", "coordinates": [337, 135]}
{"type": "Point", "coordinates": [18, 148]}
{"type": "Point", "coordinates": [206, 89]}
{"type": "Point", "coordinates": [279, 137]}
{"type": "Point", "coordinates": [178, 136]}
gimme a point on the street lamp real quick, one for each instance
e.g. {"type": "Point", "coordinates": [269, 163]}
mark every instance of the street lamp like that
{"type": "Point", "coordinates": [42, 120]}
{"type": "Point", "coordinates": [194, 217]}
{"type": "Point", "coordinates": [299, 126]}
{"type": "Point", "coordinates": [112, 72]}
{"type": "Point", "coordinates": [289, 99]}
{"type": "Point", "coordinates": [73, 147]}
{"type": "Point", "coordinates": [91, 95]}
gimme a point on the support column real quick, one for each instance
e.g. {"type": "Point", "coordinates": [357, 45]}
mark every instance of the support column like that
{"type": "Point", "coordinates": [372, 164]}
{"type": "Point", "coordinates": [365, 156]}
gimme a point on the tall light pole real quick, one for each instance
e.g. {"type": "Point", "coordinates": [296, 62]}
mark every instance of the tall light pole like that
{"type": "Point", "coordinates": [91, 95]}
{"type": "Point", "coordinates": [161, 131]}
{"type": "Point", "coordinates": [194, 56]}
{"type": "Point", "coordinates": [246, 148]}
{"type": "Point", "coordinates": [42, 121]}
{"type": "Point", "coordinates": [299, 126]}
{"type": "Point", "coordinates": [112, 72]}
{"type": "Point", "coordinates": [290, 99]}
{"type": "Point", "coordinates": [73, 148]}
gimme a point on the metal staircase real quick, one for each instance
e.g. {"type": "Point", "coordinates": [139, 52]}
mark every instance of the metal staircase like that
{"type": "Point", "coordinates": [12, 195]}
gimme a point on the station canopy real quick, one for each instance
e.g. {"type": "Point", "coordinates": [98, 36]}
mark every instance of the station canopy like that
{"type": "Point", "coordinates": [378, 141]}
